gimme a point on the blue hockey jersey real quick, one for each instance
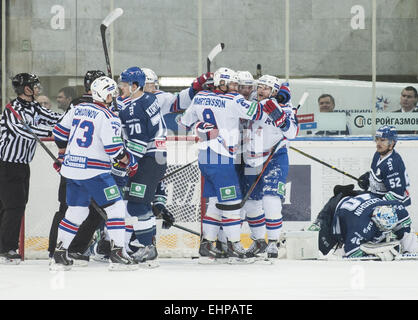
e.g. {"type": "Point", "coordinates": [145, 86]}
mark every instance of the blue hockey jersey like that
{"type": "Point", "coordinates": [144, 127]}
{"type": "Point", "coordinates": [353, 226]}
{"type": "Point", "coordinates": [388, 178]}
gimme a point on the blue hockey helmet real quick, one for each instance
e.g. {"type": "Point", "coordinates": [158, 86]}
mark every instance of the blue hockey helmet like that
{"type": "Point", "coordinates": [126, 74]}
{"type": "Point", "coordinates": [387, 132]}
{"type": "Point", "coordinates": [385, 217]}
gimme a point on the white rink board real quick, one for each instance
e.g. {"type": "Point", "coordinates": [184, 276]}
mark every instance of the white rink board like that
{"type": "Point", "coordinates": [353, 157]}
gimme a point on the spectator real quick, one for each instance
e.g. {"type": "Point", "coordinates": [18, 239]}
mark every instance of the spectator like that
{"type": "Point", "coordinates": [409, 103]}
{"type": "Point", "coordinates": [65, 96]}
{"type": "Point", "coordinates": [44, 101]}
{"type": "Point", "coordinates": [409, 100]}
{"type": "Point", "coordinates": [326, 103]}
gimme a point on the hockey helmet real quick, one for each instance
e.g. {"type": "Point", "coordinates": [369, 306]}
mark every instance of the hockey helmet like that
{"type": "Point", "coordinates": [126, 74]}
{"type": "Point", "coordinates": [102, 87]}
{"type": "Point", "coordinates": [387, 132]}
{"type": "Point", "coordinates": [270, 81]}
{"type": "Point", "coordinates": [224, 74]}
{"type": "Point", "coordinates": [21, 80]}
{"type": "Point", "coordinates": [245, 78]}
{"type": "Point", "coordinates": [150, 76]}
{"type": "Point", "coordinates": [385, 217]}
{"type": "Point", "coordinates": [90, 76]}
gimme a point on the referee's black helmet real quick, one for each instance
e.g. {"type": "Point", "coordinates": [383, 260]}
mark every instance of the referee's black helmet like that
{"type": "Point", "coordinates": [21, 80]}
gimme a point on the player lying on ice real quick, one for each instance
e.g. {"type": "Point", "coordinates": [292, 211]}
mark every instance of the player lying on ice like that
{"type": "Point", "coordinates": [366, 226]}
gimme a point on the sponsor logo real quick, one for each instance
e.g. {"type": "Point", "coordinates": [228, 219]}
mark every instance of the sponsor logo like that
{"type": "Point", "coordinates": [228, 193]}
{"type": "Point", "coordinates": [112, 193]}
{"type": "Point", "coordinates": [137, 190]}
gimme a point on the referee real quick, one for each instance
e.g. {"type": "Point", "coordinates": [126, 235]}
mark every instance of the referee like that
{"type": "Point", "coordinates": [17, 148]}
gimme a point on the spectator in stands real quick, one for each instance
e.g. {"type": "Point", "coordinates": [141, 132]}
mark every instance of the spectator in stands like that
{"type": "Point", "coordinates": [409, 100]}
{"type": "Point", "coordinates": [64, 97]}
{"type": "Point", "coordinates": [326, 103]}
{"type": "Point", "coordinates": [409, 103]}
{"type": "Point", "coordinates": [44, 101]}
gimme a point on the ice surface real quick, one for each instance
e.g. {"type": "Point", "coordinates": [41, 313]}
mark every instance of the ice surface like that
{"type": "Point", "coordinates": [185, 279]}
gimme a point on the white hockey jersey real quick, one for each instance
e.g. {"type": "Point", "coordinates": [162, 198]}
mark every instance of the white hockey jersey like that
{"type": "Point", "coordinates": [260, 136]}
{"type": "Point", "coordinates": [224, 111]}
{"type": "Point", "coordinates": [93, 135]}
{"type": "Point", "coordinates": [170, 102]}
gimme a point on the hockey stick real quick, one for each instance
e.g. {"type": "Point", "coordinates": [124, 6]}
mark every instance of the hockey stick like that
{"type": "Point", "coordinates": [259, 74]}
{"type": "Point", "coordinates": [186, 229]}
{"type": "Point", "coordinates": [178, 170]}
{"type": "Point", "coordinates": [237, 206]}
{"type": "Point", "coordinates": [112, 16]}
{"type": "Point", "coordinates": [28, 128]}
{"type": "Point", "coordinates": [213, 53]}
{"type": "Point", "coordinates": [324, 163]}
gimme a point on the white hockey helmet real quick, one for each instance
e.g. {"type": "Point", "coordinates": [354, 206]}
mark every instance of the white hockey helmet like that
{"type": "Point", "coordinates": [385, 217]}
{"type": "Point", "coordinates": [245, 78]}
{"type": "Point", "coordinates": [102, 87]}
{"type": "Point", "coordinates": [150, 76]}
{"type": "Point", "coordinates": [270, 81]}
{"type": "Point", "coordinates": [224, 74]}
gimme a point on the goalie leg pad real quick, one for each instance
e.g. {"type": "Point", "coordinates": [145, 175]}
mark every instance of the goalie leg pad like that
{"type": "Point", "coordinates": [301, 245]}
{"type": "Point", "coordinates": [386, 251]}
{"type": "Point", "coordinates": [409, 242]}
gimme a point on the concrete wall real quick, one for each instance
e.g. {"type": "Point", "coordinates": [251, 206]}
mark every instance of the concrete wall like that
{"type": "Point", "coordinates": [164, 35]}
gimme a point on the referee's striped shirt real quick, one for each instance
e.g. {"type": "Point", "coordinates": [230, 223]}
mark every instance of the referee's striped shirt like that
{"type": "Point", "coordinates": [16, 143]}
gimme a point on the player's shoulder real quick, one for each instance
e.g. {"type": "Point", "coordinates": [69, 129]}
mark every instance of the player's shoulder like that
{"type": "Point", "coordinates": [101, 109]}
{"type": "Point", "coordinates": [160, 93]}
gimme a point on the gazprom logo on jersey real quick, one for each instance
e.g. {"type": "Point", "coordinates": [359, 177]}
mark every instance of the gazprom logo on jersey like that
{"type": "Point", "coordinates": [75, 161]}
{"type": "Point", "coordinates": [214, 102]}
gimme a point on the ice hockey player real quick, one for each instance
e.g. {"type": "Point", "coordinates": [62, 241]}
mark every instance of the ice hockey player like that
{"type": "Point", "coordinates": [246, 85]}
{"type": "Point", "coordinates": [215, 116]}
{"type": "Point", "coordinates": [82, 239]}
{"type": "Point", "coordinates": [387, 177]}
{"type": "Point", "coordinates": [264, 206]}
{"type": "Point", "coordinates": [145, 134]}
{"type": "Point", "coordinates": [367, 226]}
{"type": "Point", "coordinates": [90, 134]}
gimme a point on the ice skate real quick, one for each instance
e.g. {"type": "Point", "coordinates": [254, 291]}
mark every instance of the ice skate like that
{"type": "Point", "coordinates": [257, 250]}
{"type": "Point", "coordinates": [210, 254]}
{"type": "Point", "coordinates": [237, 254]}
{"type": "Point", "coordinates": [10, 257]}
{"type": "Point", "coordinates": [79, 259]}
{"type": "Point", "coordinates": [146, 256]}
{"type": "Point", "coordinates": [101, 251]}
{"type": "Point", "coordinates": [61, 260]}
{"type": "Point", "coordinates": [120, 261]}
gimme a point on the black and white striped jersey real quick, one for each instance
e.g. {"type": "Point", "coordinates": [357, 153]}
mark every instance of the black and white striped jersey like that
{"type": "Point", "coordinates": [16, 143]}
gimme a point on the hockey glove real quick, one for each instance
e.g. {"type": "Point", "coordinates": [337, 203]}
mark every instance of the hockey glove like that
{"type": "Point", "coordinates": [131, 165]}
{"type": "Point", "coordinates": [203, 82]}
{"type": "Point", "coordinates": [283, 96]}
{"type": "Point", "coordinates": [363, 181]}
{"type": "Point", "coordinates": [119, 174]}
{"type": "Point", "coordinates": [206, 131]}
{"type": "Point", "coordinates": [160, 211]}
{"type": "Point", "coordinates": [275, 113]}
{"type": "Point", "coordinates": [57, 165]}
